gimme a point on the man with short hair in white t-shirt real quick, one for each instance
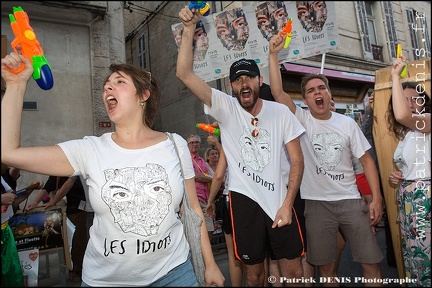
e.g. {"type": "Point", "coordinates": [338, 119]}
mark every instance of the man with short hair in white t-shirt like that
{"type": "Point", "coordinates": [332, 199]}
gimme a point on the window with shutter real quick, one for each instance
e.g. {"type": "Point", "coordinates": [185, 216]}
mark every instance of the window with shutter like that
{"type": "Point", "coordinates": [390, 27]}
{"type": "Point", "coordinates": [142, 52]}
{"type": "Point", "coordinates": [413, 35]}
{"type": "Point", "coordinates": [362, 22]}
{"type": "Point", "coordinates": [371, 22]}
{"type": "Point", "coordinates": [426, 37]}
{"type": "Point", "coordinates": [419, 33]}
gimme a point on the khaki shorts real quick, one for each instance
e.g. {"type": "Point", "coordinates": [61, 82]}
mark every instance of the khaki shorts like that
{"type": "Point", "coordinates": [209, 220]}
{"type": "Point", "coordinates": [324, 218]}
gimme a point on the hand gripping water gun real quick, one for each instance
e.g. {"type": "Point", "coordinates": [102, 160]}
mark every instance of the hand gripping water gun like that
{"type": "Point", "coordinates": [398, 55]}
{"type": "Point", "coordinates": [208, 128]}
{"type": "Point", "coordinates": [30, 48]}
{"type": "Point", "coordinates": [288, 31]}
{"type": "Point", "coordinates": [202, 6]}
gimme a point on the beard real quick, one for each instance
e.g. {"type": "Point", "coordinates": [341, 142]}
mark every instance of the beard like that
{"type": "Point", "coordinates": [249, 104]}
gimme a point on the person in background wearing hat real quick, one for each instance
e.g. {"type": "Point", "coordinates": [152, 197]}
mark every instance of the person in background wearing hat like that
{"type": "Point", "coordinates": [254, 132]}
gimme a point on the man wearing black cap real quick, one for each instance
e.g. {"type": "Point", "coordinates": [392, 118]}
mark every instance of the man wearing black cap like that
{"type": "Point", "coordinates": [254, 131]}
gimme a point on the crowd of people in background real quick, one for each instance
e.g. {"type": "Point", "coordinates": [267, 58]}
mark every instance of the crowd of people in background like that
{"type": "Point", "coordinates": [293, 185]}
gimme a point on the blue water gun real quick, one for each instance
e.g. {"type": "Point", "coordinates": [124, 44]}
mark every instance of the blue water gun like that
{"type": "Point", "coordinates": [202, 6]}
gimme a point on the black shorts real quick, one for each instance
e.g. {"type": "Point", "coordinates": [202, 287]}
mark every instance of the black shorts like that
{"type": "Point", "coordinates": [226, 215]}
{"type": "Point", "coordinates": [299, 206]}
{"type": "Point", "coordinates": [253, 236]}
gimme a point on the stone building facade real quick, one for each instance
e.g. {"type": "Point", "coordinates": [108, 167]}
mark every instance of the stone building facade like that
{"type": "Point", "coordinates": [82, 38]}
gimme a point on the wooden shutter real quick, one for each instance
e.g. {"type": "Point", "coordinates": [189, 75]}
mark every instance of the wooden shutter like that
{"type": "Point", "coordinates": [410, 13]}
{"type": "Point", "coordinates": [364, 33]}
{"type": "Point", "coordinates": [390, 27]}
{"type": "Point", "coordinates": [427, 44]}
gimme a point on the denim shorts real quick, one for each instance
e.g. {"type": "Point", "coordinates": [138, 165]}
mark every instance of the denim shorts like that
{"type": "Point", "coordinates": [181, 276]}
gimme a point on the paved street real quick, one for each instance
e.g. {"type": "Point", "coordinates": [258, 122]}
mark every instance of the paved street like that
{"type": "Point", "coordinates": [348, 269]}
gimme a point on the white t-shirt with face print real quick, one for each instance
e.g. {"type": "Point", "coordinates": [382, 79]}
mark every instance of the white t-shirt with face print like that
{"type": "Point", "coordinates": [328, 148]}
{"type": "Point", "coordinates": [254, 162]}
{"type": "Point", "coordinates": [136, 237]}
{"type": "Point", "coordinates": [413, 156]}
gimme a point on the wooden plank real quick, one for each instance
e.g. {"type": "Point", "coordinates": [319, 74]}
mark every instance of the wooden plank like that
{"type": "Point", "coordinates": [411, 79]}
{"type": "Point", "coordinates": [386, 142]}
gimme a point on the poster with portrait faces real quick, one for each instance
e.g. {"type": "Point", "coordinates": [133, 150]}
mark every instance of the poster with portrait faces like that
{"type": "Point", "coordinates": [238, 36]}
{"type": "Point", "coordinates": [202, 57]}
{"type": "Point", "coordinates": [271, 18]}
{"type": "Point", "coordinates": [315, 26]}
{"type": "Point", "coordinates": [225, 37]}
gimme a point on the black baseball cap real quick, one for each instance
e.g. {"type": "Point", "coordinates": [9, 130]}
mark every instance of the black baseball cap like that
{"type": "Point", "coordinates": [243, 67]}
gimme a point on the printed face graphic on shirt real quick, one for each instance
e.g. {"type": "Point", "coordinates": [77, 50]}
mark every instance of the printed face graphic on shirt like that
{"type": "Point", "coordinates": [255, 151]}
{"type": "Point", "coordinates": [328, 149]}
{"type": "Point", "coordinates": [139, 198]}
{"type": "Point", "coordinates": [398, 156]}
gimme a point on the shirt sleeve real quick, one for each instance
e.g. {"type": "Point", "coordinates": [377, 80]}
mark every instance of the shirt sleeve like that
{"type": "Point", "coordinates": [5, 185]}
{"type": "Point", "coordinates": [185, 156]}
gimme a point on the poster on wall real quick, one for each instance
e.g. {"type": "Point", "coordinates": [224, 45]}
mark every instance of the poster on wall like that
{"type": "Point", "coordinates": [38, 229]}
{"type": "Point", "coordinates": [244, 32]}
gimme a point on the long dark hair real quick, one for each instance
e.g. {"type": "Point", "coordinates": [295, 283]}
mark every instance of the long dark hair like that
{"type": "Point", "coordinates": [394, 126]}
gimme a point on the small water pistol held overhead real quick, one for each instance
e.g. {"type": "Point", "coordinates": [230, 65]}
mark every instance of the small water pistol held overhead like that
{"type": "Point", "coordinates": [287, 30]}
{"type": "Point", "coordinates": [398, 55]}
{"type": "Point", "coordinates": [30, 48]}
{"type": "Point", "coordinates": [202, 6]}
{"type": "Point", "coordinates": [208, 128]}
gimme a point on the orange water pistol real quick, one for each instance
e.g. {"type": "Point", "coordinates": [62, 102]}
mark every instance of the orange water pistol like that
{"type": "Point", "coordinates": [287, 30]}
{"type": "Point", "coordinates": [208, 128]}
{"type": "Point", "coordinates": [30, 48]}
